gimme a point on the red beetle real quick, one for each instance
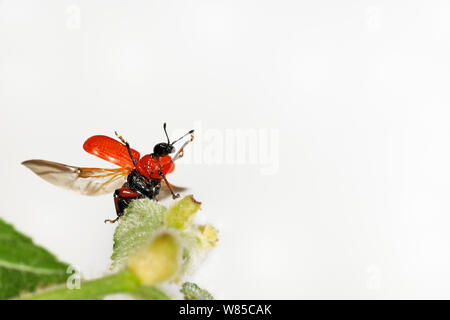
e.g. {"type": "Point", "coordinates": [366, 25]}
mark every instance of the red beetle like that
{"type": "Point", "coordinates": [136, 178]}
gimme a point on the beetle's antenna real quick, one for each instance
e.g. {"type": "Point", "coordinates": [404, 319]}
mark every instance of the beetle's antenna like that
{"type": "Point", "coordinates": [165, 131]}
{"type": "Point", "coordinates": [190, 132]}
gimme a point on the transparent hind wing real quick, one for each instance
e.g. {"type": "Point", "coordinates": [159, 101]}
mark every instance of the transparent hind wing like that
{"type": "Point", "coordinates": [86, 181]}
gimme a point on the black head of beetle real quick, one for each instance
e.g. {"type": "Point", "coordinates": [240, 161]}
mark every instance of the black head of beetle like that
{"type": "Point", "coordinates": [164, 148]}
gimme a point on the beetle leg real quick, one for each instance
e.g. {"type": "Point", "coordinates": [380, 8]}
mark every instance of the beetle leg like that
{"type": "Point", "coordinates": [174, 195]}
{"type": "Point", "coordinates": [112, 221]}
{"type": "Point", "coordinates": [122, 199]}
{"type": "Point", "coordinates": [127, 145]}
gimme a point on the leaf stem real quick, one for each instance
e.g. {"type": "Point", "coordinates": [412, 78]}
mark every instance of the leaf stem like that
{"type": "Point", "coordinates": [122, 282]}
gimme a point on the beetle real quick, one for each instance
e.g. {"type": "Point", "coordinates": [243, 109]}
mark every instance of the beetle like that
{"type": "Point", "coordinates": [136, 178]}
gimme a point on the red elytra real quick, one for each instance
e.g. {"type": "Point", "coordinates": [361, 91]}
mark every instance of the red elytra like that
{"type": "Point", "coordinates": [115, 152]}
{"type": "Point", "coordinates": [110, 150]}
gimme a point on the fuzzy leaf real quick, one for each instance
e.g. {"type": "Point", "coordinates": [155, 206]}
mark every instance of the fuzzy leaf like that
{"type": "Point", "coordinates": [181, 214]}
{"type": "Point", "coordinates": [25, 266]}
{"type": "Point", "coordinates": [197, 240]}
{"type": "Point", "coordinates": [191, 291]}
{"type": "Point", "coordinates": [157, 261]}
{"type": "Point", "coordinates": [145, 218]}
{"type": "Point", "coordinates": [208, 235]}
{"type": "Point", "coordinates": [142, 218]}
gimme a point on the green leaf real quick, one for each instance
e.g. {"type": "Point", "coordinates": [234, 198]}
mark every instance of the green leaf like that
{"type": "Point", "coordinates": [25, 266]}
{"type": "Point", "coordinates": [142, 218]}
{"type": "Point", "coordinates": [121, 282]}
{"type": "Point", "coordinates": [191, 291]}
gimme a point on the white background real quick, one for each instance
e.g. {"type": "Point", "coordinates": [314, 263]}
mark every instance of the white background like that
{"type": "Point", "coordinates": [357, 90]}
